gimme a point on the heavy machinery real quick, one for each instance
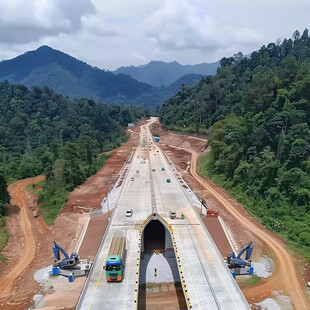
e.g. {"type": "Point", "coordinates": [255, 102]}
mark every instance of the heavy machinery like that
{"type": "Point", "coordinates": [114, 266]}
{"type": "Point", "coordinates": [237, 265]}
{"type": "Point", "coordinates": [67, 262]}
{"type": "Point", "coordinates": [70, 266]}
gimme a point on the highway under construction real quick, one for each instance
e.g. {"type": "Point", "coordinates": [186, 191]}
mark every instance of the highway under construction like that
{"type": "Point", "coordinates": [148, 190]}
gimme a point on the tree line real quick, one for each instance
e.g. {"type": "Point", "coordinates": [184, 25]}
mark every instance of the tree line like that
{"type": "Point", "coordinates": [42, 132]}
{"type": "Point", "coordinates": [258, 108]}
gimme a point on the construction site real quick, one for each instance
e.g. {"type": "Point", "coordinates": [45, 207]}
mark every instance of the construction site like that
{"type": "Point", "coordinates": [147, 232]}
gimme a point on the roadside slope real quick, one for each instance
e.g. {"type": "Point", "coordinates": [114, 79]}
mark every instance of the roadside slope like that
{"type": "Point", "coordinates": [30, 243]}
{"type": "Point", "coordinates": [285, 270]}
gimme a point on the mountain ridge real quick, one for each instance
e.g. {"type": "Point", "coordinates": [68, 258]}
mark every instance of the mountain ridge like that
{"type": "Point", "coordinates": [101, 83]}
{"type": "Point", "coordinates": [74, 78]}
{"type": "Point", "coordinates": [158, 73]}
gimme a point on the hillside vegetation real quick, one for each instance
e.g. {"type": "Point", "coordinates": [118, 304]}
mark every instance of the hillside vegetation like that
{"type": "Point", "coordinates": [76, 79]}
{"type": "Point", "coordinates": [42, 132]}
{"type": "Point", "coordinates": [259, 110]}
{"type": "Point", "coordinates": [69, 76]}
{"type": "Point", "coordinates": [157, 95]}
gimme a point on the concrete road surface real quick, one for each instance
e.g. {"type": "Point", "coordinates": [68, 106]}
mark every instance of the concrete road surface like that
{"type": "Point", "coordinates": [207, 282]}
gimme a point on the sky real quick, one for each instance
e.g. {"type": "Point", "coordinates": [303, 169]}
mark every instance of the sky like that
{"type": "Point", "coordinates": [110, 34]}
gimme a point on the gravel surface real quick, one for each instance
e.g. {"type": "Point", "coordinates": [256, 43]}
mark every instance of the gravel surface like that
{"type": "Point", "coordinates": [42, 275]}
{"type": "Point", "coordinates": [167, 269]}
{"type": "Point", "coordinates": [284, 302]}
{"type": "Point", "coordinates": [280, 302]}
{"type": "Point", "coordinates": [269, 304]}
{"type": "Point", "coordinates": [264, 267]}
{"type": "Point", "coordinates": [36, 298]}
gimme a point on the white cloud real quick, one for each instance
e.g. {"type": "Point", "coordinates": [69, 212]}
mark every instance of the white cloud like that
{"type": "Point", "coordinates": [96, 25]}
{"type": "Point", "coordinates": [180, 25]}
{"type": "Point", "coordinates": [27, 21]}
{"type": "Point", "coordinates": [109, 34]}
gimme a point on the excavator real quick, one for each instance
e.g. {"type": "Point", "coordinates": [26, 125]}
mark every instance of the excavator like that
{"type": "Point", "coordinates": [237, 265]}
{"type": "Point", "coordinates": [71, 266]}
{"type": "Point", "coordinates": [67, 262]}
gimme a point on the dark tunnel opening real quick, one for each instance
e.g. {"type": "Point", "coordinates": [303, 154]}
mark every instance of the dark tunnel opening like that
{"type": "Point", "coordinates": [154, 236]}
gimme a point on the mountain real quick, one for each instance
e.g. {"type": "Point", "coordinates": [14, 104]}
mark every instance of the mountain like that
{"type": "Point", "coordinates": [69, 76]}
{"type": "Point", "coordinates": [159, 73]}
{"type": "Point", "coordinates": [76, 79]}
{"type": "Point", "coordinates": [158, 95]}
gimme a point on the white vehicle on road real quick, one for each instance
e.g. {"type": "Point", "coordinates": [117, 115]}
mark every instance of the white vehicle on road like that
{"type": "Point", "coordinates": [129, 212]}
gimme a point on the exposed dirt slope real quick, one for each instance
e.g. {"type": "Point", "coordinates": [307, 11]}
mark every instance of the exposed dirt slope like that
{"type": "Point", "coordinates": [30, 243]}
{"type": "Point", "coordinates": [95, 188]}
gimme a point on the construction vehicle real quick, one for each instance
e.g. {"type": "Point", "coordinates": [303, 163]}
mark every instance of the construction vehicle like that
{"type": "Point", "coordinates": [70, 266]}
{"type": "Point", "coordinates": [212, 213]}
{"type": "Point", "coordinates": [237, 265]}
{"type": "Point", "coordinates": [67, 262]}
{"type": "Point", "coordinates": [114, 267]}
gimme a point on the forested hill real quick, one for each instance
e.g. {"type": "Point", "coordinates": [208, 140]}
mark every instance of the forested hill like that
{"type": "Point", "coordinates": [259, 109]}
{"type": "Point", "coordinates": [44, 132]}
{"type": "Point", "coordinates": [76, 79]}
{"type": "Point", "coordinates": [158, 73]}
{"type": "Point", "coordinates": [69, 76]}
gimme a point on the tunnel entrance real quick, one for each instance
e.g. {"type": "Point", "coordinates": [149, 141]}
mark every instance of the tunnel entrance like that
{"type": "Point", "coordinates": [154, 237]}
{"type": "Point", "coordinates": [159, 270]}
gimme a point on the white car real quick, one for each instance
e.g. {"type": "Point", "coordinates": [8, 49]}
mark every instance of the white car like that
{"type": "Point", "coordinates": [172, 214]}
{"type": "Point", "coordinates": [129, 212]}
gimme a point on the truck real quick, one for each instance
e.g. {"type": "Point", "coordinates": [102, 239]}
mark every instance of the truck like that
{"type": "Point", "coordinates": [114, 267]}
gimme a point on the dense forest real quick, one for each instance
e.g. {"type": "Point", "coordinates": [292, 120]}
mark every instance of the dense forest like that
{"type": "Point", "coordinates": [157, 95]}
{"type": "Point", "coordinates": [259, 110]}
{"type": "Point", "coordinates": [42, 132]}
{"type": "Point", "coordinates": [4, 196]}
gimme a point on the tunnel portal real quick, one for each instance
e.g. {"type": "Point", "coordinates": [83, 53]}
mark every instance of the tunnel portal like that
{"type": "Point", "coordinates": [154, 237]}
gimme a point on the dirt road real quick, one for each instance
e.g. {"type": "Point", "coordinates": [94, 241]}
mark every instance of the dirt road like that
{"type": "Point", "coordinates": [285, 271]}
{"type": "Point", "coordinates": [30, 243]}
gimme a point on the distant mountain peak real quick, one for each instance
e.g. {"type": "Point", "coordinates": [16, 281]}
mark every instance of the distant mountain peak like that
{"type": "Point", "coordinates": [152, 62]}
{"type": "Point", "coordinates": [44, 47]}
{"type": "Point", "coordinates": [159, 73]}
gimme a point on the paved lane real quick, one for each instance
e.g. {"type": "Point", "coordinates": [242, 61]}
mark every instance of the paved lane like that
{"type": "Point", "coordinates": [207, 284]}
